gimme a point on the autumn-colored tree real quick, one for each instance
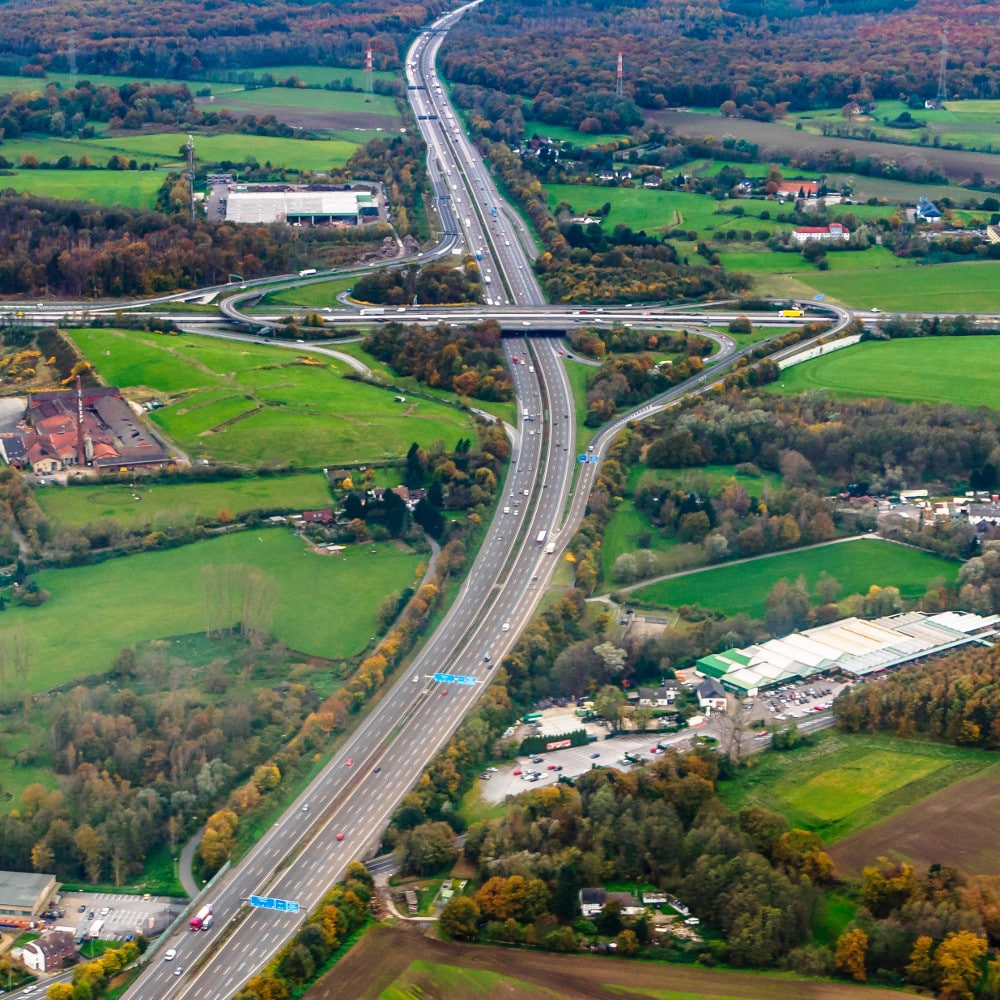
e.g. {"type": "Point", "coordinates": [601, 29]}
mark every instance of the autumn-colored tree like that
{"type": "Point", "coordinates": [850, 953]}
{"type": "Point", "coordinates": [626, 943]}
{"type": "Point", "coordinates": [886, 885]}
{"type": "Point", "coordinates": [921, 970]}
{"type": "Point", "coordinates": [957, 962]}
{"type": "Point", "coordinates": [459, 919]}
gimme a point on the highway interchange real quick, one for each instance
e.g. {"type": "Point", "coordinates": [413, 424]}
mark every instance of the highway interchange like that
{"type": "Point", "coordinates": [343, 812]}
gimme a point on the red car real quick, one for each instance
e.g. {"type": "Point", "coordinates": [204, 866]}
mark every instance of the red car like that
{"type": "Point", "coordinates": [340, 836]}
{"type": "Point", "coordinates": [518, 773]}
{"type": "Point", "coordinates": [552, 767]}
{"type": "Point", "coordinates": [349, 762]}
{"type": "Point", "coordinates": [444, 691]}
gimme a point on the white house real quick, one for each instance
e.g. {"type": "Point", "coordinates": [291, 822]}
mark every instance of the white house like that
{"type": "Point", "coordinates": [49, 952]}
{"type": "Point", "coordinates": [711, 696]}
{"type": "Point", "coordinates": [807, 234]}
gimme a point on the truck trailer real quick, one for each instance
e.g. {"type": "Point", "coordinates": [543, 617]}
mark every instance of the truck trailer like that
{"type": "Point", "coordinates": [202, 920]}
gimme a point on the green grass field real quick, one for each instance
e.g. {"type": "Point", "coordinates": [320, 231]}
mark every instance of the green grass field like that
{"type": "Point", "coordinates": [964, 287]}
{"type": "Point", "coordinates": [132, 188]}
{"type": "Point", "coordinates": [312, 100]}
{"type": "Point", "coordinates": [705, 479]}
{"type": "Point", "coordinates": [621, 536]}
{"type": "Point", "coordinates": [12, 84]}
{"type": "Point", "coordinates": [181, 503]}
{"type": "Point", "coordinates": [318, 76]}
{"type": "Point", "coordinates": [284, 411]}
{"type": "Point", "coordinates": [322, 294]}
{"type": "Point", "coordinates": [563, 133]}
{"type": "Point", "coordinates": [846, 782]}
{"type": "Point", "coordinates": [856, 565]}
{"type": "Point", "coordinates": [157, 594]}
{"type": "Point", "coordinates": [960, 370]}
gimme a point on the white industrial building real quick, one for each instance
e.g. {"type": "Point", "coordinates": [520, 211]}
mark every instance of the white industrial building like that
{"type": "Point", "coordinates": [301, 208]}
{"type": "Point", "coordinates": [853, 646]}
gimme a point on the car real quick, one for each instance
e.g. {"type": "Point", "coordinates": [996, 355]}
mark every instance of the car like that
{"type": "Point", "coordinates": [594, 756]}
{"type": "Point", "coordinates": [180, 970]}
{"type": "Point", "coordinates": [105, 910]}
{"type": "Point", "coordinates": [518, 773]}
{"type": "Point", "coordinates": [444, 691]}
{"type": "Point", "coordinates": [416, 677]}
{"type": "Point", "coordinates": [30, 989]}
{"type": "Point", "coordinates": [537, 760]}
{"type": "Point", "coordinates": [82, 908]}
{"type": "Point", "coordinates": [487, 658]}
{"type": "Point", "coordinates": [874, 309]}
{"type": "Point", "coordinates": [763, 734]}
{"type": "Point", "coordinates": [340, 836]}
{"type": "Point", "coordinates": [552, 767]}
{"type": "Point", "coordinates": [377, 770]}
{"type": "Point", "coordinates": [505, 627]}
{"type": "Point", "coordinates": [655, 750]}
{"type": "Point", "coordinates": [349, 762]}
{"type": "Point", "coordinates": [305, 808]}
{"type": "Point", "coordinates": [170, 955]}
{"type": "Point", "coordinates": [90, 916]}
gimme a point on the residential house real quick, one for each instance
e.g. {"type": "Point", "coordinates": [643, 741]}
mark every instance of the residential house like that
{"type": "Point", "coordinates": [798, 189]}
{"type": "Point", "coordinates": [988, 512]}
{"type": "Point", "coordinates": [711, 696]}
{"type": "Point", "coordinates": [52, 950]}
{"type": "Point", "coordinates": [807, 234]}
{"type": "Point", "coordinates": [593, 901]}
{"type": "Point", "coordinates": [927, 211]}
{"type": "Point", "coordinates": [12, 449]}
{"type": "Point", "coordinates": [661, 697]}
{"type": "Point", "coordinates": [324, 516]}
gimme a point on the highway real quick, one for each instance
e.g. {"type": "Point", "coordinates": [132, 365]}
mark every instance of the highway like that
{"type": "Point", "coordinates": [342, 814]}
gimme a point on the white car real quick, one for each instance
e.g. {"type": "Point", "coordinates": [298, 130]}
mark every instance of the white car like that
{"type": "Point", "coordinates": [170, 955]}
{"type": "Point", "coordinates": [505, 627]}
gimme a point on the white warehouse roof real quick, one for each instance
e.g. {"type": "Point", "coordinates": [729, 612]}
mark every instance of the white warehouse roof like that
{"type": "Point", "coordinates": [278, 206]}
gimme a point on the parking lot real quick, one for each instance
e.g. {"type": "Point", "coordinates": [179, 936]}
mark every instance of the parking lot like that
{"type": "Point", "coordinates": [126, 915]}
{"type": "Point", "coordinates": [793, 702]}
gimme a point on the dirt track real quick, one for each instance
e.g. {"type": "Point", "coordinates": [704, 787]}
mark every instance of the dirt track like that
{"type": "Point", "coordinates": [385, 953]}
{"type": "Point", "coordinates": [774, 139]}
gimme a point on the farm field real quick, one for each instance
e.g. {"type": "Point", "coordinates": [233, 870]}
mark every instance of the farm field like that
{"type": "Point", "coordinates": [266, 405]}
{"type": "Point", "coordinates": [11, 84]}
{"type": "Point", "coordinates": [395, 963]}
{"type": "Point", "coordinates": [972, 286]}
{"type": "Point", "coordinates": [313, 100]}
{"type": "Point", "coordinates": [135, 189]}
{"type": "Point", "coordinates": [179, 591]}
{"type": "Point", "coordinates": [313, 76]}
{"type": "Point", "coordinates": [775, 139]}
{"type": "Point", "coordinates": [563, 133]}
{"type": "Point", "coordinates": [847, 782]}
{"type": "Point", "coordinates": [960, 370]}
{"type": "Point", "coordinates": [954, 826]}
{"type": "Point", "coordinates": [166, 504]}
{"type": "Point", "coordinates": [740, 588]}
{"type": "Point", "coordinates": [767, 261]}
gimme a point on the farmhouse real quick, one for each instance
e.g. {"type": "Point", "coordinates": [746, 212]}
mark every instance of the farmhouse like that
{"type": "Point", "coordinates": [593, 901]}
{"type": "Point", "coordinates": [853, 646]}
{"type": "Point", "coordinates": [52, 950]}
{"type": "Point", "coordinates": [300, 207]}
{"type": "Point", "coordinates": [807, 234]}
{"type": "Point", "coordinates": [798, 189]}
{"type": "Point", "coordinates": [711, 696]}
{"type": "Point", "coordinates": [83, 427]}
{"type": "Point", "coordinates": [927, 211]}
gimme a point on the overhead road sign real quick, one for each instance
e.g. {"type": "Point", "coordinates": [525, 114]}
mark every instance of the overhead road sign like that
{"type": "Point", "coordinates": [268, 903]}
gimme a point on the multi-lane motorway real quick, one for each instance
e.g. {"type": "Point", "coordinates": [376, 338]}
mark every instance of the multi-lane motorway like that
{"type": "Point", "coordinates": [342, 814]}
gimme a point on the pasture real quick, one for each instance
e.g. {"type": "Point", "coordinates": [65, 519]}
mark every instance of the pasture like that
{"type": "Point", "coordinates": [266, 405]}
{"type": "Point", "coordinates": [564, 133]}
{"type": "Point", "coordinates": [315, 76]}
{"type": "Point", "coordinates": [966, 287]}
{"type": "Point", "coordinates": [65, 81]}
{"type": "Point", "coordinates": [961, 370]}
{"type": "Point", "coordinates": [179, 591]}
{"type": "Point", "coordinates": [954, 826]}
{"type": "Point", "coordinates": [312, 99]}
{"type": "Point", "coordinates": [741, 587]}
{"type": "Point", "coordinates": [847, 782]}
{"type": "Point", "coordinates": [704, 479]}
{"type": "Point", "coordinates": [623, 533]}
{"type": "Point", "coordinates": [163, 504]}
{"type": "Point", "coordinates": [134, 189]}
{"type": "Point", "coordinates": [393, 963]}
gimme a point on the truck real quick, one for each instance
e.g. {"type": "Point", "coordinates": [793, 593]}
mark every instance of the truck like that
{"type": "Point", "coordinates": [791, 313]}
{"type": "Point", "coordinates": [540, 540]}
{"type": "Point", "coordinates": [94, 932]}
{"type": "Point", "coordinates": [531, 717]}
{"type": "Point", "coordinates": [550, 548]}
{"type": "Point", "coordinates": [306, 271]}
{"type": "Point", "coordinates": [198, 920]}
{"type": "Point", "coordinates": [373, 312]}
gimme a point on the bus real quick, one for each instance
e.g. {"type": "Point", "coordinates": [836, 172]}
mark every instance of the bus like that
{"type": "Point", "coordinates": [531, 717]}
{"type": "Point", "coordinates": [540, 540]}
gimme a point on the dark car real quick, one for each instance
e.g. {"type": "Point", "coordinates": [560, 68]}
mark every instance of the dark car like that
{"type": "Point", "coordinates": [594, 756]}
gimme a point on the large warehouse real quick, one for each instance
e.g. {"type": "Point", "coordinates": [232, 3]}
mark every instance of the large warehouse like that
{"type": "Point", "coordinates": [853, 646]}
{"type": "Point", "coordinates": [301, 208]}
{"type": "Point", "coordinates": [23, 895]}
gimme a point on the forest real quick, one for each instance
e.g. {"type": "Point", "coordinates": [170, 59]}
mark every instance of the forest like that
{"type": "Point", "coordinates": [433, 284]}
{"type": "Point", "coordinates": [185, 41]}
{"type": "Point", "coordinates": [764, 57]}
{"type": "Point", "coordinates": [469, 361]}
